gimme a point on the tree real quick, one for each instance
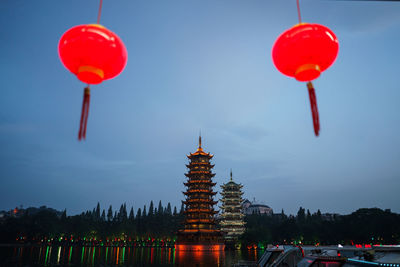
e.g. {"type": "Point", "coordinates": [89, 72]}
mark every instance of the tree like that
{"type": "Point", "coordinates": [168, 209]}
{"type": "Point", "coordinates": [301, 215]}
{"type": "Point", "coordinates": [144, 211]}
{"type": "Point", "coordinates": [110, 214]}
{"type": "Point", "coordinates": [182, 209]}
{"type": "Point", "coordinates": [318, 213]}
{"type": "Point", "coordinates": [160, 208]}
{"type": "Point", "coordinates": [64, 215]}
{"type": "Point", "coordinates": [103, 216]}
{"type": "Point", "coordinates": [97, 212]}
{"type": "Point", "coordinates": [151, 209]}
{"type": "Point", "coordinates": [175, 211]}
{"type": "Point", "coordinates": [131, 215]}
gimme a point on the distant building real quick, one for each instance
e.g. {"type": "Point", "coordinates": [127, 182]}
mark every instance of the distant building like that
{"type": "Point", "coordinates": [329, 216]}
{"type": "Point", "coordinates": [255, 208]}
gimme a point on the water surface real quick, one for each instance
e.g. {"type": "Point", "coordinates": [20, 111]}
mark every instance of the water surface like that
{"type": "Point", "coordinates": [118, 256]}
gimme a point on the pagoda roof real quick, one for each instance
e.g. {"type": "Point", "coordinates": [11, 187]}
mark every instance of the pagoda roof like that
{"type": "Point", "coordinates": [231, 183]}
{"type": "Point", "coordinates": [199, 200]}
{"type": "Point", "coordinates": [205, 191]}
{"type": "Point", "coordinates": [201, 211]}
{"type": "Point", "coordinates": [183, 231]}
{"type": "Point", "coordinates": [200, 152]}
{"type": "Point", "coordinates": [191, 173]}
{"type": "Point", "coordinates": [190, 221]}
{"type": "Point", "coordinates": [200, 163]}
{"type": "Point", "coordinates": [189, 182]}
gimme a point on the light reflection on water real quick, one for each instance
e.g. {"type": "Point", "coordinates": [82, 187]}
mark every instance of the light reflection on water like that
{"type": "Point", "coordinates": [120, 256]}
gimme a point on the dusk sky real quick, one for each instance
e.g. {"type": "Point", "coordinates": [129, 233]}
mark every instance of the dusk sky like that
{"type": "Point", "coordinates": [200, 65]}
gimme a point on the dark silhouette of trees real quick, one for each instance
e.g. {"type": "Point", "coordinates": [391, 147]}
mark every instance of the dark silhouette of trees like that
{"type": "Point", "coordinates": [362, 226]}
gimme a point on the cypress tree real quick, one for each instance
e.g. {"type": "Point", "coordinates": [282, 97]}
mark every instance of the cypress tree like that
{"type": "Point", "coordinates": [151, 209]}
{"type": "Point", "coordinates": [168, 209]}
{"type": "Point", "coordinates": [103, 216]}
{"type": "Point", "coordinates": [144, 211]}
{"type": "Point", "coordinates": [160, 208]}
{"type": "Point", "coordinates": [131, 215]}
{"type": "Point", "coordinates": [97, 213]}
{"type": "Point", "coordinates": [110, 214]}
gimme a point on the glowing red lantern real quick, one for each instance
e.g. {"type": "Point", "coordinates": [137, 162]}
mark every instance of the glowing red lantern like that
{"type": "Point", "coordinates": [94, 54]}
{"type": "Point", "coordinates": [303, 52]}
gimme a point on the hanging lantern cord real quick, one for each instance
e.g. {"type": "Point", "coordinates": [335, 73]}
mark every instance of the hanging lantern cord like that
{"type": "Point", "coordinates": [84, 114]}
{"type": "Point", "coordinates": [298, 10]}
{"type": "Point", "coordinates": [99, 14]}
{"type": "Point", "coordinates": [314, 107]}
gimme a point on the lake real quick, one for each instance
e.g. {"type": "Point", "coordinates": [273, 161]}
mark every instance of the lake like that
{"type": "Point", "coordinates": [119, 256]}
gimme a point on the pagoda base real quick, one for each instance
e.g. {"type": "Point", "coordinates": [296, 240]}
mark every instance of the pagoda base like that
{"type": "Point", "coordinates": [186, 246]}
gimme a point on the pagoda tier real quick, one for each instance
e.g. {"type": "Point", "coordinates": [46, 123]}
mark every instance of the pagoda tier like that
{"type": "Point", "coordinates": [196, 211]}
{"type": "Point", "coordinates": [204, 191]}
{"type": "Point", "coordinates": [201, 182]}
{"type": "Point", "coordinates": [232, 223]}
{"type": "Point", "coordinates": [196, 165]}
{"type": "Point", "coordinates": [200, 231]}
{"type": "Point", "coordinates": [199, 174]}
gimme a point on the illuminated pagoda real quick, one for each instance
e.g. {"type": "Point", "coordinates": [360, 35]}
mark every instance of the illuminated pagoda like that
{"type": "Point", "coordinates": [200, 231]}
{"type": "Point", "coordinates": [232, 223]}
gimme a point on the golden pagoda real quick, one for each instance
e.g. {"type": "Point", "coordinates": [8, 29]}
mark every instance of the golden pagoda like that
{"type": "Point", "coordinates": [200, 231]}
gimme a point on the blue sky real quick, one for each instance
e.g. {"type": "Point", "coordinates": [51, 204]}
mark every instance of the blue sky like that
{"type": "Point", "coordinates": [200, 65]}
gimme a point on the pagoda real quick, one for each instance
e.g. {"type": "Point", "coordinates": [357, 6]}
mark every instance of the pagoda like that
{"type": "Point", "coordinates": [200, 231]}
{"type": "Point", "coordinates": [232, 223]}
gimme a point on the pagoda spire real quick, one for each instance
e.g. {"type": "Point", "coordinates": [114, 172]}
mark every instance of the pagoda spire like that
{"type": "Point", "coordinates": [200, 140]}
{"type": "Point", "coordinates": [231, 174]}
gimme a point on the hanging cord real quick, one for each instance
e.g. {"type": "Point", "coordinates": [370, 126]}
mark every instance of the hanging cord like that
{"type": "Point", "coordinates": [298, 10]}
{"type": "Point", "coordinates": [84, 114]}
{"type": "Point", "coordinates": [314, 107]}
{"type": "Point", "coordinates": [99, 14]}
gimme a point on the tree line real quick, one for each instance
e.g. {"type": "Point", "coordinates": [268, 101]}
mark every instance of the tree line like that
{"type": "Point", "coordinates": [362, 226]}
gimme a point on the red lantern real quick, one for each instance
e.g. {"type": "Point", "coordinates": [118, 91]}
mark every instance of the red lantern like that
{"type": "Point", "coordinates": [303, 52]}
{"type": "Point", "coordinates": [94, 54]}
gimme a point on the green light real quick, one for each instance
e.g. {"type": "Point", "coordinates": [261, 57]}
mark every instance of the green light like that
{"type": "Point", "coordinates": [82, 255]}
{"type": "Point", "coordinates": [47, 254]}
{"type": "Point", "coordinates": [70, 255]}
{"type": "Point", "coordinates": [123, 255]}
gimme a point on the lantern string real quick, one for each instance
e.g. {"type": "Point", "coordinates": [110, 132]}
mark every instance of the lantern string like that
{"type": "Point", "coordinates": [84, 114]}
{"type": "Point", "coordinates": [99, 14]}
{"type": "Point", "coordinates": [298, 10]}
{"type": "Point", "coordinates": [314, 107]}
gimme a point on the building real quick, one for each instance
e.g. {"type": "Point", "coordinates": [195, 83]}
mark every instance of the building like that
{"type": "Point", "coordinates": [255, 208]}
{"type": "Point", "coordinates": [232, 223]}
{"type": "Point", "coordinates": [200, 231]}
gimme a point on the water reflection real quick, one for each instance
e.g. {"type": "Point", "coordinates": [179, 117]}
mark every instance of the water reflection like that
{"type": "Point", "coordinates": [120, 256]}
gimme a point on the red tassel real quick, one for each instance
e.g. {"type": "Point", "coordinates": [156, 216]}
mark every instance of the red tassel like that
{"type": "Point", "coordinates": [84, 114]}
{"type": "Point", "coordinates": [314, 107]}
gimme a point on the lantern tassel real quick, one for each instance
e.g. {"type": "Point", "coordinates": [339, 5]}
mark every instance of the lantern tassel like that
{"type": "Point", "coordinates": [314, 107]}
{"type": "Point", "coordinates": [84, 114]}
